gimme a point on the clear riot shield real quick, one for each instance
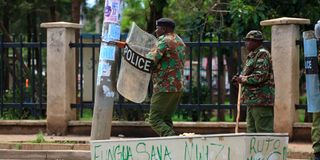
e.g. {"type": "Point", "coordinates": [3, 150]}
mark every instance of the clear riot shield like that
{"type": "Point", "coordinates": [312, 71]}
{"type": "Point", "coordinates": [135, 69]}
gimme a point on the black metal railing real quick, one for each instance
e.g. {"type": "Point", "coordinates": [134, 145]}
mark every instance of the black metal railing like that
{"type": "Point", "coordinates": [207, 86]}
{"type": "Point", "coordinates": [194, 96]}
{"type": "Point", "coordinates": [22, 77]}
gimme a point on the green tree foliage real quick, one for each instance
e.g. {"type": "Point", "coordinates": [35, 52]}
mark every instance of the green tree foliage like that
{"type": "Point", "coordinates": [92, 16]}
{"type": "Point", "coordinates": [192, 17]}
{"type": "Point", "coordinates": [135, 11]}
{"type": "Point", "coordinates": [25, 16]}
{"type": "Point", "coordinates": [309, 9]}
{"type": "Point", "coordinates": [246, 16]}
{"type": "Point", "coordinates": [142, 12]}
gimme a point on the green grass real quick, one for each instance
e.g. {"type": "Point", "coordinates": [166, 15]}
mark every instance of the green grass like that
{"type": "Point", "coordinates": [18, 146]}
{"type": "Point", "coordinates": [178, 117]}
{"type": "Point", "coordinates": [39, 138]}
{"type": "Point", "coordinates": [301, 115]}
{"type": "Point", "coordinates": [213, 118]}
{"type": "Point", "coordinates": [87, 115]}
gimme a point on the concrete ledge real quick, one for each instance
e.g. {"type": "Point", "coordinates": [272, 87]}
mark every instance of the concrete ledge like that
{"type": "Point", "coordinates": [143, 129]}
{"type": "Point", "coordinates": [23, 122]}
{"type": "Point", "coordinates": [300, 155]}
{"type": "Point", "coordinates": [301, 131]}
{"type": "Point", "coordinates": [41, 154]}
{"type": "Point", "coordinates": [44, 146]}
{"type": "Point", "coordinates": [60, 25]}
{"type": "Point", "coordinates": [284, 20]}
{"type": "Point", "coordinates": [22, 126]}
{"type": "Point", "coordinates": [300, 151]}
{"type": "Point", "coordinates": [302, 125]}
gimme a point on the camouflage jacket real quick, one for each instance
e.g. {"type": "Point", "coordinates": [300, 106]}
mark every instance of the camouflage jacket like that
{"type": "Point", "coordinates": [169, 58]}
{"type": "Point", "coordinates": [258, 86]}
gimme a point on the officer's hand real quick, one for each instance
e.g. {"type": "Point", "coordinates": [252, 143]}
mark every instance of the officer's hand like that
{"type": "Point", "coordinates": [119, 44]}
{"type": "Point", "coordinates": [237, 79]}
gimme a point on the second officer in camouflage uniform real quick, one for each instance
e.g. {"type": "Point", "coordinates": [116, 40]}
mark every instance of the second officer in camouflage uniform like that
{"type": "Point", "coordinates": [257, 85]}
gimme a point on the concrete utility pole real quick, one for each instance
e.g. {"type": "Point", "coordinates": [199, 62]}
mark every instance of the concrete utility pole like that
{"type": "Point", "coordinates": [104, 94]}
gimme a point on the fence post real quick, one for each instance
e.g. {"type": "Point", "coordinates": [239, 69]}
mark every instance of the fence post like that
{"type": "Point", "coordinates": [61, 76]}
{"type": "Point", "coordinates": [285, 57]}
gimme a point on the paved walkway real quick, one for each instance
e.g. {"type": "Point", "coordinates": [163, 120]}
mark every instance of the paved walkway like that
{"type": "Point", "coordinates": [296, 150]}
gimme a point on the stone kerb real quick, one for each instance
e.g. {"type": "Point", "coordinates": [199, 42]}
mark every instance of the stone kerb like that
{"type": "Point", "coordinates": [60, 75]}
{"type": "Point", "coordinates": [285, 57]}
{"type": "Point", "coordinates": [60, 25]}
{"type": "Point", "coordinates": [285, 21]}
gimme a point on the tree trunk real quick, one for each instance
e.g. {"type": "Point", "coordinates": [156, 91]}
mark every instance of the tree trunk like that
{"type": "Point", "coordinates": [156, 12]}
{"type": "Point", "coordinates": [221, 85]}
{"type": "Point", "coordinates": [4, 27]}
{"type": "Point", "coordinates": [76, 19]}
{"type": "Point", "coordinates": [98, 24]}
{"type": "Point", "coordinates": [52, 10]}
{"type": "Point", "coordinates": [76, 11]}
{"type": "Point", "coordinates": [32, 35]}
{"type": "Point", "coordinates": [76, 16]}
{"type": "Point", "coordinates": [7, 38]}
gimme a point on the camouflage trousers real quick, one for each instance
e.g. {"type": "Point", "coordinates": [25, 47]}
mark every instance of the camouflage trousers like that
{"type": "Point", "coordinates": [315, 132]}
{"type": "Point", "coordinates": [162, 107]}
{"type": "Point", "coordinates": [260, 119]}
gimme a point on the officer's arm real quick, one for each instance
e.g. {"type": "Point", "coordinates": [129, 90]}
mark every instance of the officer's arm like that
{"type": "Point", "coordinates": [158, 51]}
{"type": "Point", "coordinates": [261, 72]}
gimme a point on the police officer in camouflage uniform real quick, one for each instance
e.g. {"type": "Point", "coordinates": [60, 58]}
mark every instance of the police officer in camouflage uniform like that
{"type": "Point", "coordinates": [257, 85]}
{"type": "Point", "coordinates": [315, 135]}
{"type": "Point", "coordinates": [315, 130]}
{"type": "Point", "coordinates": [167, 76]}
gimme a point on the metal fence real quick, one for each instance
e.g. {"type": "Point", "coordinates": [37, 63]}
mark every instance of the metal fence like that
{"type": "Point", "coordinates": [209, 67]}
{"type": "Point", "coordinates": [22, 77]}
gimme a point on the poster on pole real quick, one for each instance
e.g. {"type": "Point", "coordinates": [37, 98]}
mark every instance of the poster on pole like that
{"type": "Point", "coordinates": [112, 10]}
